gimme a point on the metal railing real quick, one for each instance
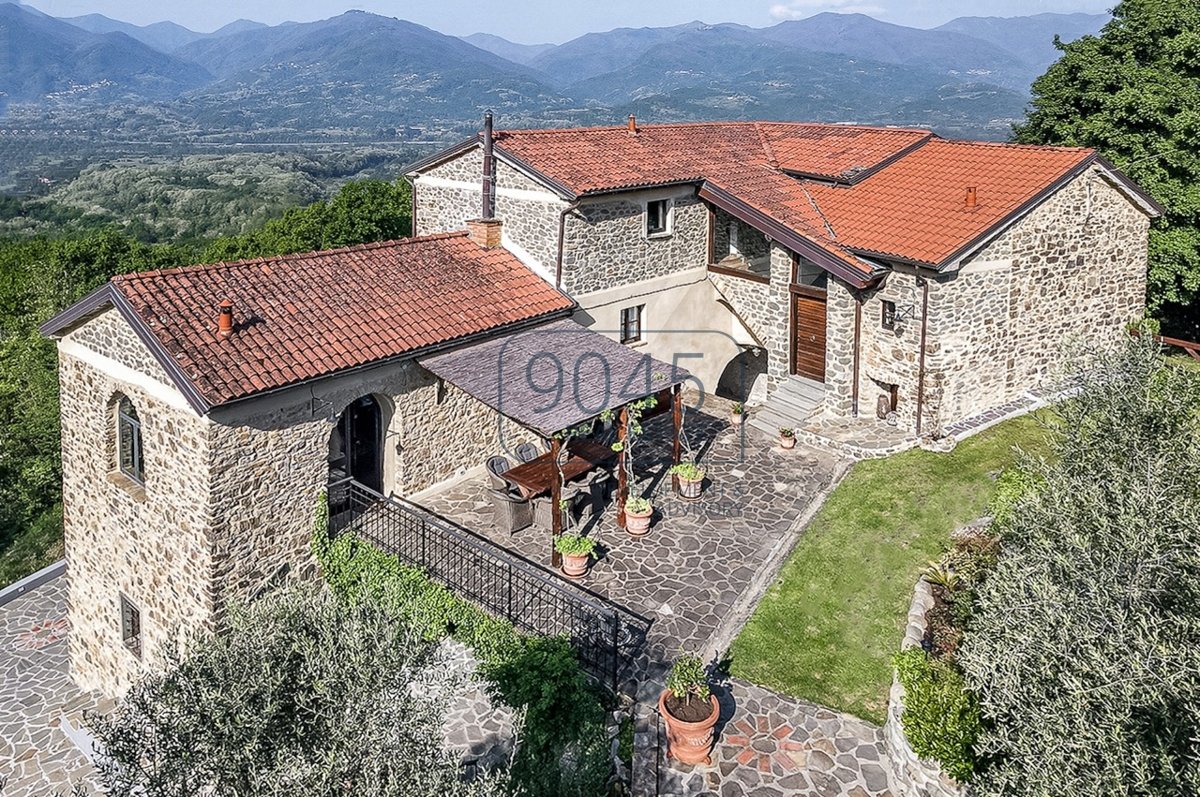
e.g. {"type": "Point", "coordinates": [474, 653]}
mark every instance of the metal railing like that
{"type": "Point", "coordinates": [606, 636]}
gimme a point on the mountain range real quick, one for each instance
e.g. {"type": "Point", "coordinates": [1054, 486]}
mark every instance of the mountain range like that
{"type": "Point", "coordinates": [360, 71]}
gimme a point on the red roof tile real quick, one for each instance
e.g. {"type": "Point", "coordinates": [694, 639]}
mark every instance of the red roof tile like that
{"type": "Point", "coordinates": [301, 316]}
{"type": "Point", "coordinates": [878, 192]}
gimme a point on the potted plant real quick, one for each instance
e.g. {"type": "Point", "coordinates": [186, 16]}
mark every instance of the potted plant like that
{"type": "Point", "coordinates": [575, 550]}
{"type": "Point", "coordinates": [691, 477]}
{"type": "Point", "coordinates": [737, 413]}
{"type": "Point", "coordinates": [637, 516]}
{"type": "Point", "coordinates": [787, 437]}
{"type": "Point", "coordinates": [690, 711]}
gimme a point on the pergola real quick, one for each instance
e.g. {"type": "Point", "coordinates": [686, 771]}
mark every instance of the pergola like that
{"type": "Point", "coordinates": [556, 376]}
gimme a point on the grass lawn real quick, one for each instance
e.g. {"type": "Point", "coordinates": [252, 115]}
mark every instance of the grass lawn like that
{"type": "Point", "coordinates": [38, 545]}
{"type": "Point", "coordinates": [827, 628]}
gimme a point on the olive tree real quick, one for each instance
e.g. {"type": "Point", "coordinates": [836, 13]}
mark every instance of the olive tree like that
{"type": "Point", "coordinates": [1084, 648]}
{"type": "Point", "coordinates": [302, 695]}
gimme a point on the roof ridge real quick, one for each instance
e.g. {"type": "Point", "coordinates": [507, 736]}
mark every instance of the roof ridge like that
{"type": "Point", "coordinates": [1013, 145]}
{"type": "Point", "coordinates": [290, 257]}
{"type": "Point", "coordinates": [766, 144]}
{"type": "Point", "coordinates": [618, 128]}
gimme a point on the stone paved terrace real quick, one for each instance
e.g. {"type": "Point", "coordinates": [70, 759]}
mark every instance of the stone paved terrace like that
{"type": "Point", "coordinates": [35, 754]}
{"type": "Point", "coordinates": [697, 577]}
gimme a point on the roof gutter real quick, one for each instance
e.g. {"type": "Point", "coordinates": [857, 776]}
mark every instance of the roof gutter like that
{"type": "Point", "coordinates": [562, 234]}
{"type": "Point", "coordinates": [785, 235]}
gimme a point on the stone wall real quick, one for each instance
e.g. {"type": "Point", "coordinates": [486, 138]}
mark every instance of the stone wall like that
{"type": "Point", "coordinates": [914, 775]}
{"type": "Point", "coordinates": [450, 194]}
{"type": "Point", "coordinates": [764, 308]}
{"type": "Point", "coordinates": [1075, 270]}
{"type": "Point", "coordinates": [152, 542]}
{"type": "Point", "coordinates": [892, 356]}
{"type": "Point", "coordinates": [226, 509]}
{"type": "Point", "coordinates": [606, 247]}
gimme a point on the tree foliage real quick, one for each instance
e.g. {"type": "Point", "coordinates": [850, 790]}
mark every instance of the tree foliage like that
{"type": "Point", "coordinates": [303, 695]}
{"type": "Point", "coordinates": [1133, 93]}
{"type": "Point", "coordinates": [1084, 648]}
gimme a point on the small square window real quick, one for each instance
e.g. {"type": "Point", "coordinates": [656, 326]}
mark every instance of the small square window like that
{"type": "Point", "coordinates": [631, 323]}
{"type": "Point", "coordinates": [888, 320]}
{"type": "Point", "coordinates": [658, 217]}
{"type": "Point", "coordinates": [131, 626]}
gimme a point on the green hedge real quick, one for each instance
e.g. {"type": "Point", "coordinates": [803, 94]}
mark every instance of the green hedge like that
{"type": "Point", "coordinates": [941, 718]}
{"type": "Point", "coordinates": [564, 747]}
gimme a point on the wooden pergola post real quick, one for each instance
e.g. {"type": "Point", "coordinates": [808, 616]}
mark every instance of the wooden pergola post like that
{"type": "Point", "coordinates": [677, 419]}
{"type": "Point", "coordinates": [622, 478]}
{"type": "Point", "coordinates": [555, 500]}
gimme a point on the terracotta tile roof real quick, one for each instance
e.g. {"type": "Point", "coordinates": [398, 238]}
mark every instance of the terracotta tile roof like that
{"type": "Point", "coordinates": [306, 315]}
{"type": "Point", "coordinates": [589, 160]}
{"type": "Point", "coordinates": [875, 192]}
{"type": "Point", "coordinates": [916, 208]}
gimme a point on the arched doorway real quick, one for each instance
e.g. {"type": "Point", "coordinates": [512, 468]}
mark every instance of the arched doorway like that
{"type": "Point", "coordinates": [356, 445]}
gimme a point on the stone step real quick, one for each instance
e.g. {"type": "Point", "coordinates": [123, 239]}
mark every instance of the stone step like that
{"type": "Point", "coordinates": [798, 386]}
{"type": "Point", "coordinates": [797, 406]}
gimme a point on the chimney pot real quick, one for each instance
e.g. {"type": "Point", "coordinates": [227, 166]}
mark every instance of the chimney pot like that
{"type": "Point", "coordinates": [225, 319]}
{"type": "Point", "coordinates": [489, 168]}
{"type": "Point", "coordinates": [972, 198]}
{"type": "Point", "coordinates": [632, 125]}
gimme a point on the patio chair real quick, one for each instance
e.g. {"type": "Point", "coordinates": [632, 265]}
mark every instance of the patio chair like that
{"type": "Point", "coordinates": [496, 466]}
{"type": "Point", "coordinates": [574, 495]}
{"type": "Point", "coordinates": [510, 513]}
{"type": "Point", "coordinates": [599, 489]}
{"type": "Point", "coordinates": [527, 452]}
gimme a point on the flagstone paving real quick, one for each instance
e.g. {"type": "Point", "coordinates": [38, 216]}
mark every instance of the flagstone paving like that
{"type": "Point", "coordinates": [36, 756]}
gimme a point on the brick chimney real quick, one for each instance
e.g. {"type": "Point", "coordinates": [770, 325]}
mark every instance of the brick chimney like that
{"type": "Point", "coordinates": [632, 125]}
{"type": "Point", "coordinates": [485, 232]}
{"type": "Point", "coordinates": [972, 198]}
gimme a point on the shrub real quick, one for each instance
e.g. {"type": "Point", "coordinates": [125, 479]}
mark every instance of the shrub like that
{"type": "Point", "coordinates": [688, 471]}
{"type": "Point", "coordinates": [941, 718]}
{"type": "Point", "coordinates": [574, 545]}
{"type": "Point", "coordinates": [637, 505]}
{"type": "Point", "coordinates": [688, 678]}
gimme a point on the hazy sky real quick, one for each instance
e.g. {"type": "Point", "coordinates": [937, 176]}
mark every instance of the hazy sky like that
{"type": "Point", "coordinates": [532, 21]}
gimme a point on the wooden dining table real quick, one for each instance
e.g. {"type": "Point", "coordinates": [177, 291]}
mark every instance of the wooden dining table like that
{"type": "Point", "coordinates": [537, 476]}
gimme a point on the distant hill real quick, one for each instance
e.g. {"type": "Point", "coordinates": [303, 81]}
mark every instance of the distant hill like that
{"type": "Point", "coordinates": [361, 69]}
{"type": "Point", "coordinates": [731, 72]}
{"type": "Point", "coordinates": [41, 56]}
{"type": "Point", "coordinates": [1029, 38]}
{"type": "Point", "coordinates": [517, 53]}
{"type": "Point", "coordinates": [162, 36]}
{"type": "Point", "coordinates": [954, 55]}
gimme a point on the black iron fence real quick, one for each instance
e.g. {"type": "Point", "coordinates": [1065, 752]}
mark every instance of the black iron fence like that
{"type": "Point", "coordinates": [505, 584]}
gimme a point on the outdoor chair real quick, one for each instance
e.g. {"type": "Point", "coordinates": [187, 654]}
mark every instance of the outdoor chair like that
{"type": "Point", "coordinates": [509, 513]}
{"type": "Point", "coordinates": [496, 466]}
{"type": "Point", "coordinates": [575, 495]}
{"type": "Point", "coordinates": [527, 452]}
{"type": "Point", "coordinates": [599, 488]}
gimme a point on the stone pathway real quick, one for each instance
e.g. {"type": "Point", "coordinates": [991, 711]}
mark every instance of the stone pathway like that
{"type": "Point", "coordinates": [769, 745]}
{"type": "Point", "coordinates": [36, 756]}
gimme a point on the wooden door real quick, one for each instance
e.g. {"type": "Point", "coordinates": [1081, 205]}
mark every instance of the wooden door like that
{"type": "Point", "coordinates": [808, 332]}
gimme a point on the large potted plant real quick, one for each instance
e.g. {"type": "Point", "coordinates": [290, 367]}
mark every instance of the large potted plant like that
{"type": "Point", "coordinates": [691, 478]}
{"type": "Point", "coordinates": [638, 512]}
{"type": "Point", "coordinates": [576, 550]}
{"type": "Point", "coordinates": [690, 711]}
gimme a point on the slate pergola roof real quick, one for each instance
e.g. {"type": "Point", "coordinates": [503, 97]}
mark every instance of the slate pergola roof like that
{"type": "Point", "coordinates": [554, 376]}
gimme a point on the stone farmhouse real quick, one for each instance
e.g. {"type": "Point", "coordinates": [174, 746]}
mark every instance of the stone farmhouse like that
{"type": "Point", "coordinates": [856, 270]}
{"type": "Point", "coordinates": [859, 270]}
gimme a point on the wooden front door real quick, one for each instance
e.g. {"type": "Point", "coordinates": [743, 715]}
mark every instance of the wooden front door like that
{"type": "Point", "coordinates": [808, 332]}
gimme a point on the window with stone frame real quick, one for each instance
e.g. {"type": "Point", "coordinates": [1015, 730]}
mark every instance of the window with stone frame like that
{"type": "Point", "coordinates": [631, 323]}
{"type": "Point", "coordinates": [130, 461]}
{"type": "Point", "coordinates": [131, 625]}
{"type": "Point", "coordinates": [658, 217]}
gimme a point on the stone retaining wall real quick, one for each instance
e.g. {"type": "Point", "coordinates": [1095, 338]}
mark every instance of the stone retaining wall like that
{"type": "Point", "coordinates": [913, 775]}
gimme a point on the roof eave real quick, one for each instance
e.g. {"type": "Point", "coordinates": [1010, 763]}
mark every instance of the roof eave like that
{"type": "Point", "coordinates": [785, 235]}
{"type": "Point", "coordinates": [440, 157]}
{"type": "Point", "coordinates": [108, 295]}
{"type": "Point", "coordinates": [1139, 195]}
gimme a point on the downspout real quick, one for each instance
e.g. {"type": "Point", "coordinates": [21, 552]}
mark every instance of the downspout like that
{"type": "Point", "coordinates": [858, 303]}
{"type": "Point", "coordinates": [921, 355]}
{"type": "Point", "coordinates": [562, 233]}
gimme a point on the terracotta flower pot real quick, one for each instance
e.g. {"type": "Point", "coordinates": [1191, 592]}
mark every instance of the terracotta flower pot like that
{"type": "Point", "coordinates": [638, 524]}
{"type": "Point", "coordinates": [787, 442]}
{"type": "Point", "coordinates": [575, 565]}
{"type": "Point", "coordinates": [689, 488]}
{"type": "Point", "coordinates": [736, 418]}
{"type": "Point", "coordinates": [689, 742]}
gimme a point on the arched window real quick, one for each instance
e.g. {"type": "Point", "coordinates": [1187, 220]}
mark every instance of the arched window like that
{"type": "Point", "coordinates": [129, 442]}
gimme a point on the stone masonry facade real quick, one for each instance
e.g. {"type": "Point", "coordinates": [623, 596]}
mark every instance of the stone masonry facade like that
{"type": "Point", "coordinates": [227, 504]}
